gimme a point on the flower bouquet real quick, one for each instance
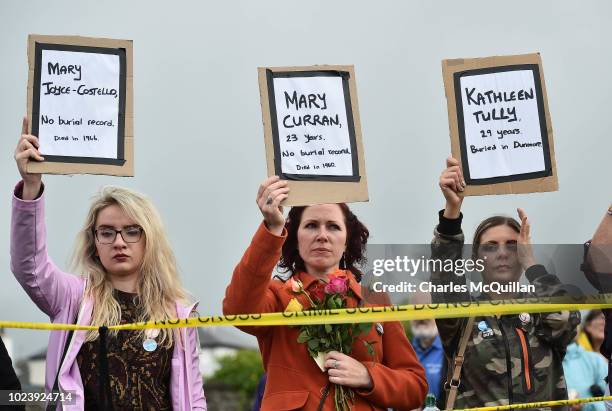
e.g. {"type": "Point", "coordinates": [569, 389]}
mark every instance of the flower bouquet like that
{"type": "Point", "coordinates": [323, 338]}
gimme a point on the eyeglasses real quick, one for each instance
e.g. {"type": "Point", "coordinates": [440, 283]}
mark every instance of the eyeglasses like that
{"type": "Point", "coordinates": [107, 235]}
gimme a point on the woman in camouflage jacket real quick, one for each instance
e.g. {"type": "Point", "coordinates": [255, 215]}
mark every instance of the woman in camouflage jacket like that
{"type": "Point", "coordinates": [511, 358]}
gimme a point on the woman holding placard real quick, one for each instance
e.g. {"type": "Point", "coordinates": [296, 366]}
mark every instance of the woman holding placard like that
{"type": "Point", "coordinates": [129, 274]}
{"type": "Point", "coordinates": [321, 247]}
{"type": "Point", "coordinates": [507, 359]}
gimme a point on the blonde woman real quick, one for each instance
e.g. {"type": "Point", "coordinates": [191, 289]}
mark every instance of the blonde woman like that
{"type": "Point", "coordinates": [128, 273]}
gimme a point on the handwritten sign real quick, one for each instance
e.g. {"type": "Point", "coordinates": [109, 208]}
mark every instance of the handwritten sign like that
{"type": "Point", "coordinates": [312, 125]}
{"type": "Point", "coordinates": [502, 124]}
{"type": "Point", "coordinates": [314, 133]}
{"type": "Point", "coordinates": [79, 103]}
{"type": "Point", "coordinates": [502, 128]}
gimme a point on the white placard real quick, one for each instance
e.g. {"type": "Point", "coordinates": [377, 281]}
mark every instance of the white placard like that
{"type": "Point", "coordinates": [313, 132]}
{"type": "Point", "coordinates": [79, 104]}
{"type": "Point", "coordinates": [501, 124]}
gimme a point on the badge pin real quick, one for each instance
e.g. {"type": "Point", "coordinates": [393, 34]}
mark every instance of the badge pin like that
{"type": "Point", "coordinates": [149, 345]}
{"type": "Point", "coordinates": [485, 329]}
{"type": "Point", "coordinates": [379, 329]}
{"type": "Point", "coordinates": [525, 318]}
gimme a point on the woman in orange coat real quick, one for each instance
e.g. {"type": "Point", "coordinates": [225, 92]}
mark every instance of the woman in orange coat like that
{"type": "Point", "coordinates": [310, 245]}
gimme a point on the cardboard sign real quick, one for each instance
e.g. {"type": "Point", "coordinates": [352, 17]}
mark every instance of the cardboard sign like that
{"type": "Point", "coordinates": [80, 104]}
{"type": "Point", "coordinates": [313, 134]}
{"type": "Point", "coordinates": [500, 124]}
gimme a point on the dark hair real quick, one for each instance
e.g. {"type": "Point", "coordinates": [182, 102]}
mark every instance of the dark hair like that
{"type": "Point", "coordinates": [590, 317]}
{"type": "Point", "coordinates": [593, 314]}
{"type": "Point", "coordinates": [356, 239]}
{"type": "Point", "coordinates": [491, 222]}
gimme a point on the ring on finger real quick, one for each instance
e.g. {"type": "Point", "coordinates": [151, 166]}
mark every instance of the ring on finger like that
{"type": "Point", "coordinates": [335, 365]}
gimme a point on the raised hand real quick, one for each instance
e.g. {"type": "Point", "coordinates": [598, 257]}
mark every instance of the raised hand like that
{"type": "Point", "coordinates": [269, 196]}
{"type": "Point", "coordinates": [26, 151]}
{"type": "Point", "coordinates": [525, 249]}
{"type": "Point", "coordinates": [452, 185]}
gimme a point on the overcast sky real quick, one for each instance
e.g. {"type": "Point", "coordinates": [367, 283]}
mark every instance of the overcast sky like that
{"type": "Point", "coordinates": [199, 152]}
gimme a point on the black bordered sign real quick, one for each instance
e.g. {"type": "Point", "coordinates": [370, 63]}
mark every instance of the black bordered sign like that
{"type": "Point", "coordinates": [119, 159]}
{"type": "Point", "coordinates": [278, 155]}
{"type": "Point", "coordinates": [547, 169]}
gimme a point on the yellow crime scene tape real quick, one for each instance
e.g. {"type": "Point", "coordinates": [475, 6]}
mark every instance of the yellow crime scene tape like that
{"type": "Point", "coordinates": [541, 404]}
{"type": "Point", "coordinates": [347, 315]}
{"type": "Point", "coordinates": [370, 314]}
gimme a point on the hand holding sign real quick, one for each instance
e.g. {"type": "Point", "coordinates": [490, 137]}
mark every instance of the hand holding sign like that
{"type": "Point", "coordinates": [27, 149]}
{"type": "Point", "coordinates": [269, 196]}
{"type": "Point", "coordinates": [452, 185]}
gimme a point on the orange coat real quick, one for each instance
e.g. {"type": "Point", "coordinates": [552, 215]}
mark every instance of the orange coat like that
{"type": "Point", "coordinates": [294, 381]}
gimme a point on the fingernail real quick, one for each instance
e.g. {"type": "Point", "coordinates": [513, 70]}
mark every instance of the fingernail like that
{"type": "Point", "coordinates": [463, 182]}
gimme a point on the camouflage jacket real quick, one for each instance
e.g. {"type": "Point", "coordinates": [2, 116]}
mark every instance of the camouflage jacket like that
{"type": "Point", "coordinates": [508, 359]}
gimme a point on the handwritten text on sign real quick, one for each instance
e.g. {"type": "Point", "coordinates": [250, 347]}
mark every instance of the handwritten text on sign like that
{"type": "Point", "coordinates": [79, 104]}
{"type": "Point", "coordinates": [312, 126]}
{"type": "Point", "coordinates": [502, 125]}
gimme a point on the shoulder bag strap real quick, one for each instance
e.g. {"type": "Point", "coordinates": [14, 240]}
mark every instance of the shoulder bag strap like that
{"type": "Point", "coordinates": [454, 378]}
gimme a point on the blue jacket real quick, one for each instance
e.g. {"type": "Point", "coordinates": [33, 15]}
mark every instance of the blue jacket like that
{"type": "Point", "coordinates": [582, 370]}
{"type": "Point", "coordinates": [432, 359]}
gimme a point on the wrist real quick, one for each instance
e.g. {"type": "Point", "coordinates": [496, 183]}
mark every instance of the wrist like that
{"type": "Point", "coordinates": [367, 383]}
{"type": "Point", "coordinates": [275, 229]}
{"type": "Point", "coordinates": [449, 226]}
{"type": "Point", "coordinates": [31, 189]}
{"type": "Point", "coordinates": [451, 211]}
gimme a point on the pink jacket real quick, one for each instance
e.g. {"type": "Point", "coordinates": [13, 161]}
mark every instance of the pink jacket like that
{"type": "Point", "coordinates": [60, 296]}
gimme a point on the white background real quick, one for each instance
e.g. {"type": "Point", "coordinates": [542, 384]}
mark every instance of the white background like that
{"type": "Point", "coordinates": [97, 70]}
{"type": "Point", "coordinates": [199, 151]}
{"type": "Point", "coordinates": [499, 162]}
{"type": "Point", "coordinates": [334, 137]}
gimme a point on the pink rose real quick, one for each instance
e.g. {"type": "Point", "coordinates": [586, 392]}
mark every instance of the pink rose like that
{"type": "Point", "coordinates": [336, 285]}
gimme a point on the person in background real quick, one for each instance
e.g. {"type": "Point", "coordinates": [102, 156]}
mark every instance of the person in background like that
{"type": "Point", "coordinates": [259, 392]}
{"type": "Point", "coordinates": [8, 378]}
{"type": "Point", "coordinates": [428, 347]}
{"type": "Point", "coordinates": [597, 266]}
{"type": "Point", "coordinates": [585, 373]}
{"type": "Point", "coordinates": [592, 335]}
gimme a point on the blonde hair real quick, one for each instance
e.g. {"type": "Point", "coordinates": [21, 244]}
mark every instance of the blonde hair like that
{"type": "Point", "coordinates": [159, 287]}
